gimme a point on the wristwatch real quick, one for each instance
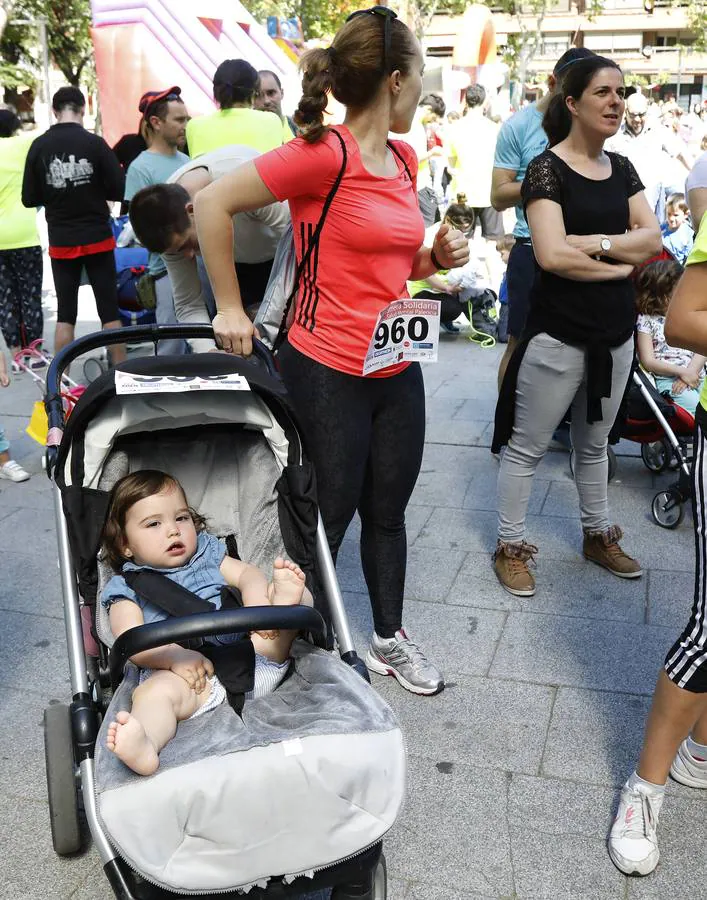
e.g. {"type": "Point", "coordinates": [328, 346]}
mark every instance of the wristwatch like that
{"type": "Point", "coordinates": [605, 244]}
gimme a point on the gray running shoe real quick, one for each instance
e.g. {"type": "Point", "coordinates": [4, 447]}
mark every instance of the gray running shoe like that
{"type": "Point", "coordinates": [689, 770]}
{"type": "Point", "coordinates": [403, 659]}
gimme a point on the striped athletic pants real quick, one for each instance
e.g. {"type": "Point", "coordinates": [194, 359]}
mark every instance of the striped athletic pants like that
{"type": "Point", "coordinates": [686, 662]}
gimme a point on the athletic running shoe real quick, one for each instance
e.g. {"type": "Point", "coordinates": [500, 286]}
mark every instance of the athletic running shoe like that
{"type": "Point", "coordinates": [633, 842]}
{"type": "Point", "coordinates": [688, 770]}
{"type": "Point", "coordinates": [403, 659]}
{"type": "Point", "coordinates": [13, 471]}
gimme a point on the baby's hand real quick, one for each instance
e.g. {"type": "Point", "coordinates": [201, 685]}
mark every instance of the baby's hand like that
{"type": "Point", "coordinates": [194, 668]}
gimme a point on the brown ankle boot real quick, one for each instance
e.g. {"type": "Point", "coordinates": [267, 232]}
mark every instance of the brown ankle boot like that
{"type": "Point", "coordinates": [603, 548]}
{"type": "Point", "coordinates": [511, 564]}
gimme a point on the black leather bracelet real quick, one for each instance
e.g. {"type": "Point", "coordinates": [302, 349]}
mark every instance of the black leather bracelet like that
{"type": "Point", "coordinates": [435, 262]}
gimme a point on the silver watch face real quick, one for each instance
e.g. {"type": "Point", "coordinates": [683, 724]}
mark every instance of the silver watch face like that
{"type": "Point", "coordinates": [605, 244]}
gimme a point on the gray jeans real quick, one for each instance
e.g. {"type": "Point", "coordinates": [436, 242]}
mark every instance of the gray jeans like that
{"type": "Point", "coordinates": [165, 315]}
{"type": "Point", "coordinates": [552, 377]}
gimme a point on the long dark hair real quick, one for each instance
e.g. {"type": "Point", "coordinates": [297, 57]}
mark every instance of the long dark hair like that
{"type": "Point", "coordinates": [351, 69]}
{"type": "Point", "coordinates": [557, 121]}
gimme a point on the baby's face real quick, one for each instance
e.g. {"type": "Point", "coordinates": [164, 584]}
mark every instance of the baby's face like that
{"type": "Point", "coordinates": [505, 256]}
{"type": "Point", "coordinates": [159, 531]}
{"type": "Point", "coordinates": [675, 217]}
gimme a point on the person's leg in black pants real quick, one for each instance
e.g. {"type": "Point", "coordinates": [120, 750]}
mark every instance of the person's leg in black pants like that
{"type": "Point", "coordinates": [67, 278]}
{"type": "Point", "coordinates": [396, 444]}
{"type": "Point", "coordinates": [100, 268]}
{"type": "Point", "coordinates": [365, 437]}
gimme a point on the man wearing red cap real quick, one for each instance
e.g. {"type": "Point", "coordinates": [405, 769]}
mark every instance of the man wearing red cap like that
{"type": "Point", "coordinates": [165, 117]}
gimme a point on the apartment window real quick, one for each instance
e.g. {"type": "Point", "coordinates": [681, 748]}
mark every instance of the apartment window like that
{"type": "Point", "coordinates": [614, 43]}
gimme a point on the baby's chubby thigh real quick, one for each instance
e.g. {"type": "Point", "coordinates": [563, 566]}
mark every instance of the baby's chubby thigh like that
{"type": "Point", "coordinates": [162, 686]}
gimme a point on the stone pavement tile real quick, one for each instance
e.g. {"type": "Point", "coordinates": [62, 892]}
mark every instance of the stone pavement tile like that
{"type": "Point", "coordinates": [682, 871]}
{"type": "Point", "coordinates": [670, 598]}
{"type": "Point", "coordinates": [440, 409]}
{"type": "Point", "coordinates": [596, 736]}
{"type": "Point", "coordinates": [630, 507]}
{"type": "Point", "coordinates": [458, 459]}
{"type": "Point", "coordinates": [420, 890]}
{"type": "Point", "coordinates": [22, 773]}
{"type": "Point", "coordinates": [481, 493]}
{"type": "Point", "coordinates": [459, 529]}
{"type": "Point", "coordinates": [429, 576]}
{"type": "Point", "coordinates": [558, 839]}
{"type": "Point", "coordinates": [581, 652]}
{"type": "Point", "coordinates": [472, 432]}
{"type": "Point", "coordinates": [435, 488]}
{"type": "Point", "coordinates": [477, 721]}
{"type": "Point", "coordinates": [33, 494]}
{"type": "Point", "coordinates": [33, 653]}
{"type": "Point", "coordinates": [564, 589]}
{"type": "Point", "coordinates": [29, 868]}
{"type": "Point", "coordinates": [453, 831]}
{"type": "Point", "coordinates": [458, 639]}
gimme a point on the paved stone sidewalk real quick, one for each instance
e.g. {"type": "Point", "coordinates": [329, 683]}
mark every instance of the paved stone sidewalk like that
{"type": "Point", "coordinates": [514, 769]}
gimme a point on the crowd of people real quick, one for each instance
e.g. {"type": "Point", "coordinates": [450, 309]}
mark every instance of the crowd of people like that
{"type": "Point", "coordinates": [415, 199]}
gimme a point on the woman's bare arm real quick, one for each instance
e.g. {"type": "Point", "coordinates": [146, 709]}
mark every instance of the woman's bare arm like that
{"type": "Point", "coordinates": [554, 253]}
{"type": "Point", "coordinates": [634, 246]}
{"type": "Point", "coordinates": [214, 207]}
{"type": "Point", "coordinates": [686, 320]}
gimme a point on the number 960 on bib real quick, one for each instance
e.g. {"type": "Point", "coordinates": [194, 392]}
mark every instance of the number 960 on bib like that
{"type": "Point", "coordinates": [405, 331]}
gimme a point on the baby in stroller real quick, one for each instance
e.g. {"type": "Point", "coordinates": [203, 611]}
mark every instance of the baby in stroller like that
{"type": "Point", "coordinates": [150, 526]}
{"type": "Point", "coordinates": [677, 372]}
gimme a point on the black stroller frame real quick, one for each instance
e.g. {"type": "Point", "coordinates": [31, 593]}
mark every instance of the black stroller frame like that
{"type": "Point", "coordinates": [71, 731]}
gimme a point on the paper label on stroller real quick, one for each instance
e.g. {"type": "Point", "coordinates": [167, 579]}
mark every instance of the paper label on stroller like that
{"type": "Point", "coordinates": [127, 383]}
{"type": "Point", "coordinates": [405, 331]}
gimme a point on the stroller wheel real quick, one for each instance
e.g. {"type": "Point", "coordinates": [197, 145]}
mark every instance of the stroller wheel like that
{"type": "Point", "coordinates": [667, 509]}
{"type": "Point", "coordinates": [61, 779]}
{"type": "Point", "coordinates": [378, 889]}
{"type": "Point", "coordinates": [656, 455]}
{"type": "Point", "coordinates": [611, 457]}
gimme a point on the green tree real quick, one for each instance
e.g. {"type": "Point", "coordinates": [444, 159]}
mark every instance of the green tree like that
{"type": "Point", "coordinates": [68, 35]}
{"type": "Point", "coordinates": [320, 18]}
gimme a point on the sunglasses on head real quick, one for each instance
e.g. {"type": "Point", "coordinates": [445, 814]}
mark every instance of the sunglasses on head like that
{"type": "Point", "coordinates": [158, 99]}
{"type": "Point", "coordinates": [387, 15]}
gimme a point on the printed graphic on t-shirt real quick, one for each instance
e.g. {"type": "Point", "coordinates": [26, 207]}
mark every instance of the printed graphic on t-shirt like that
{"type": "Point", "coordinates": [62, 173]}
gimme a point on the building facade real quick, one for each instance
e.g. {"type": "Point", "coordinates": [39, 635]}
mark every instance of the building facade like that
{"type": "Point", "coordinates": [647, 38]}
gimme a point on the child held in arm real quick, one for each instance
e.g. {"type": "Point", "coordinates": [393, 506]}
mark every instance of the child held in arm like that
{"type": "Point", "coordinates": [151, 526]}
{"type": "Point", "coordinates": [679, 372]}
{"type": "Point", "coordinates": [677, 231]}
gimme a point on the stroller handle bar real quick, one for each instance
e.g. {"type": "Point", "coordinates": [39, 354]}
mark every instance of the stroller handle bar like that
{"type": "Point", "coordinates": [225, 621]}
{"type": "Point", "coordinates": [132, 334]}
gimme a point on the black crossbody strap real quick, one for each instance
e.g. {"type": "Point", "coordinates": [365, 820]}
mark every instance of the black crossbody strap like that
{"type": "Point", "coordinates": [399, 155]}
{"type": "Point", "coordinates": [172, 598]}
{"type": "Point", "coordinates": [313, 241]}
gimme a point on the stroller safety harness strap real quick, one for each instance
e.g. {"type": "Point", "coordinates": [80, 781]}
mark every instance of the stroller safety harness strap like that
{"type": "Point", "coordinates": [234, 663]}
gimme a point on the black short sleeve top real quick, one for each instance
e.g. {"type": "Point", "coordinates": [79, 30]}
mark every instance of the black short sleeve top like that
{"type": "Point", "coordinates": [604, 310]}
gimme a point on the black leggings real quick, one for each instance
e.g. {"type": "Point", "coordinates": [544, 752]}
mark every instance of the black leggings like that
{"type": "Point", "coordinates": [365, 437]}
{"type": "Point", "coordinates": [100, 268]}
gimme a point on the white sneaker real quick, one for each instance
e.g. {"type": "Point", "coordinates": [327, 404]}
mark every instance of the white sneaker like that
{"type": "Point", "coordinates": [13, 471]}
{"type": "Point", "coordinates": [633, 843]}
{"type": "Point", "coordinates": [688, 770]}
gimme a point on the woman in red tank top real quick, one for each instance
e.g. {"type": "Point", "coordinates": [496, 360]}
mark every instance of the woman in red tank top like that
{"type": "Point", "coordinates": [365, 434]}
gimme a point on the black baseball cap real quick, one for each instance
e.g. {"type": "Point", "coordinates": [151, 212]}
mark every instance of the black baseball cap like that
{"type": "Point", "coordinates": [237, 73]}
{"type": "Point", "coordinates": [573, 55]}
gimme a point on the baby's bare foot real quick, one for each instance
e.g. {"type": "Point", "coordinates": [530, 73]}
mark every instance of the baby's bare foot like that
{"type": "Point", "coordinates": [287, 584]}
{"type": "Point", "coordinates": [127, 739]}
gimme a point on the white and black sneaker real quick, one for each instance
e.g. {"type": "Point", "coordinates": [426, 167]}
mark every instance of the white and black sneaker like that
{"type": "Point", "coordinates": [402, 658]}
{"type": "Point", "coordinates": [13, 471]}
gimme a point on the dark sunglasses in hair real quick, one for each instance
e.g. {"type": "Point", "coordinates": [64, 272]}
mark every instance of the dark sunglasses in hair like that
{"type": "Point", "coordinates": [387, 15]}
{"type": "Point", "coordinates": [146, 107]}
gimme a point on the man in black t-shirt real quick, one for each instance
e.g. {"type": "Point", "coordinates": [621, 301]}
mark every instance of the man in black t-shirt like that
{"type": "Point", "coordinates": [74, 175]}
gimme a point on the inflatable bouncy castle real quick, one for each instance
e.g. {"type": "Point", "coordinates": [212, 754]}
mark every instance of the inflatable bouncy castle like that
{"type": "Point", "coordinates": [143, 45]}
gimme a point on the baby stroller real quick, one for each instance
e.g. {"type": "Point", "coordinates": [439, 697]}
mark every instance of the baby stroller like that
{"type": "Point", "coordinates": [664, 430]}
{"type": "Point", "coordinates": [294, 795]}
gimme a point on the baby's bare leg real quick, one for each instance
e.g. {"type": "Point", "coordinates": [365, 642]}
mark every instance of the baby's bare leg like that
{"type": "Point", "coordinates": [158, 704]}
{"type": "Point", "coordinates": [286, 589]}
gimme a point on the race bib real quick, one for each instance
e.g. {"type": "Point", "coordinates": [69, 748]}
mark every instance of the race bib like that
{"type": "Point", "coordinates": [127, 383]}
{"type": "Point", "coordinates": [405, 331]}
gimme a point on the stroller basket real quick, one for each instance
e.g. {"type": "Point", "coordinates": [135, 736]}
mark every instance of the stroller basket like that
{"type": "Point", "coordinates": [297, 792]}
